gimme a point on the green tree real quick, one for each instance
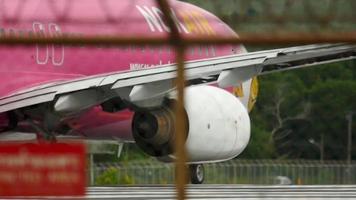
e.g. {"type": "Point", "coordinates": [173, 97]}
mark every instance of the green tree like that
{"type": "Point", "coordinates": [281, 100]}
{"type": "Point", "coordinates": [331, 100]}
{"type": "Point", "coordinates": [259, 146]}
{"type": "Point", "coordinates": [335, 71]}
{"type": "Point", "coordinates": [303, 109]}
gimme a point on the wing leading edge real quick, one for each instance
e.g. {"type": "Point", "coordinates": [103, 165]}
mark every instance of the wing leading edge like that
{"type": "Point", "coordinates": [136, 86]}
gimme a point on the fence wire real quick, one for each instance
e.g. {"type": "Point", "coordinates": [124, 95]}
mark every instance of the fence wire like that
{"type": "Point", "coordinates": [261, 172]}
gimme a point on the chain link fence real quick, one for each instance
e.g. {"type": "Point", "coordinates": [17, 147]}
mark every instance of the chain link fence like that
{"type": "Point", "coordinates": [299, 172]}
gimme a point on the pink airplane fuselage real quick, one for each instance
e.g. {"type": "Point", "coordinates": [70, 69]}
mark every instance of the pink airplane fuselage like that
{"type": "Point", "coordinates": [23, 68]}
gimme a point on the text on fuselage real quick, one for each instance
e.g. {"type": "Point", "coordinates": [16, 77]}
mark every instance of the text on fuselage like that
{"type": "Point", "coordinates": [186, 21]}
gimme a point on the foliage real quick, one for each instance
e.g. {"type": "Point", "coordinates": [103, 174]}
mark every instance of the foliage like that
{"type": "Point", "coordinates": [111, 176]}
{"type": "Point", "coordinates": [129, 152]}
{"type": "Point", "coordinates": [296, 108]}
{"type": "Point", "coordinates": [260, 146]}
{"type": "Point", "coordinates": [331, 101]}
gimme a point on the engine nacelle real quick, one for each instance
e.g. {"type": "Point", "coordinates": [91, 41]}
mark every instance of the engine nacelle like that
{"type": "Point", "coordinates": [218, 126]}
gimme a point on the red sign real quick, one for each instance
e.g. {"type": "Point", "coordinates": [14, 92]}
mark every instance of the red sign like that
{"type": "Point", "coordinates": [49, 169]}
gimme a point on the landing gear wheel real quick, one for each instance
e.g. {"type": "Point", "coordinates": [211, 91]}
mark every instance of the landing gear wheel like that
{"type": "Point", "coordinates": [196, 173]}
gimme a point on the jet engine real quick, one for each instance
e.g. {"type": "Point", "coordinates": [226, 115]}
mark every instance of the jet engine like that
{"type": "Point", "coordinates": [218, 126]}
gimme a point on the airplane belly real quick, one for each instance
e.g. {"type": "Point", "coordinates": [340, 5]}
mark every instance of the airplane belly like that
{"type": "Point", "coordinates": [97, 124]}
{"type": "Point", "coordinates": [14, 81]}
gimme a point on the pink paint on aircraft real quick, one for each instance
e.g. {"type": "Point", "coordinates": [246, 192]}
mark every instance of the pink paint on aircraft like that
{"type": "Point", "coordinates": [22, 68]}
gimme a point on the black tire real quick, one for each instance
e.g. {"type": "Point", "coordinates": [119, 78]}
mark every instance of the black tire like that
{"type": "Point", "coordinates": [197, 174]}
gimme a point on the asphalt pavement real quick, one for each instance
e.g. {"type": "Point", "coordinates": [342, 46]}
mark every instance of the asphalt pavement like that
{"type": "Point", "coordinates": [221, 192]}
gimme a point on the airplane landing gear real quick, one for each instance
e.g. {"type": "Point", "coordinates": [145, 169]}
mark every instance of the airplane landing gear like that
{"type": "Point", "coordinates": [42, 134]}
{"type": "Point", "coordinates": [196, 173]}
{"type": "Point", "coordinates": [44, 130]}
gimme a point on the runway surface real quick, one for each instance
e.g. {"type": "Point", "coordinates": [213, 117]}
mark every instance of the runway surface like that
{"type": "Point", "coordinates": [211, 192]}
{"type": "Point", "coordinates": [225, 192]}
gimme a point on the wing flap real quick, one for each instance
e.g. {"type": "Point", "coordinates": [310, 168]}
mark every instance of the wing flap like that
{"type": "Point", "coordinates": [296, 59]}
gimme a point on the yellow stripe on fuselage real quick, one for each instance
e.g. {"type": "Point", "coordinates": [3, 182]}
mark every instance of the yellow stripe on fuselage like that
{"type": "Point", "coordinates": [253, 93]}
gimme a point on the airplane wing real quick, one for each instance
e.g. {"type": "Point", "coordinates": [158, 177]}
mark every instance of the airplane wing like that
{"type": "Point", "coordinates": [135, 86]}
